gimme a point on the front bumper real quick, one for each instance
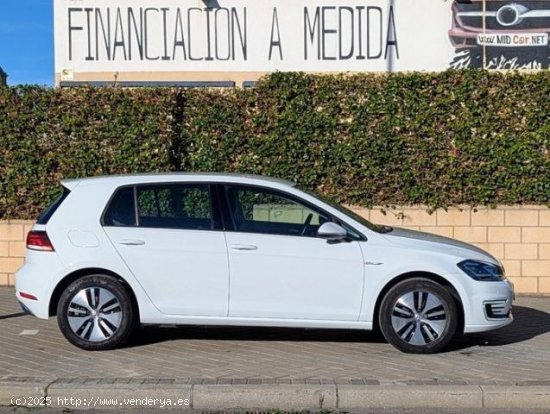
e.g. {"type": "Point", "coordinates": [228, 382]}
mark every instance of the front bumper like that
{"type": "Point", "coordinates": [490, 306]}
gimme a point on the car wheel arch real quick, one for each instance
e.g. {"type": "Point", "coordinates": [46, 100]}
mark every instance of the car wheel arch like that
{"type": "Point", "coordinates": [80, 273]}
{"type": "Point", "coordinates": [427, 275]}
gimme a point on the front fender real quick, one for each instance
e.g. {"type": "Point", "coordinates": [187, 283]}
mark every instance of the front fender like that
{"type": "Point", "coordinates": [378, 278]}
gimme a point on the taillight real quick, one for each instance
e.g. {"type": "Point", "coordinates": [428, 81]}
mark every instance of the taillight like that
{"type": "Point", "coordinates": [39, 240]}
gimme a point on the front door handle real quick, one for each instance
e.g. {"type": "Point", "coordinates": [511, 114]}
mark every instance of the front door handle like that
{"type": "Point", "coordinates": [132, 242]}
{"type": "Point", "coordinates": [244, 247]}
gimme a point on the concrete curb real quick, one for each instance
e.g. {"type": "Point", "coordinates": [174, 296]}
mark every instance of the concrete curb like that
{"type": "Point", "coordinates": [276, 396]}
{"type": "Point", "coordinates": [120, 395]}
{"type": "Point", "coordinates": [529, 397]}
{"type": "Point", "coordinates": [27, 391]}
{"type": "Point", "coordinates": [271, 396]}
{"type": "Point", "coordinates": [415, 396]}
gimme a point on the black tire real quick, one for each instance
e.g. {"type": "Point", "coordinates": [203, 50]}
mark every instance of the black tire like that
{"type": "Point", "coordinates": [102, 308]}
{"type": "Point", "coordinates": [423, 327]}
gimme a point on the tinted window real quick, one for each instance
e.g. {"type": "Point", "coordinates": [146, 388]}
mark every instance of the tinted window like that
{"type": "Point", "coordinates": [184, 206]}
{"type": "Point", "coordinates": [121, 210]}
{"type": "Point", "coordinates": [48, 213]}
{"type": "Point", "coordinates": [265, 211]}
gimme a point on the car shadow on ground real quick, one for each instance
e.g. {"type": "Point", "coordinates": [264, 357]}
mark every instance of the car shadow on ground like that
{"type": "Point", "coordinates": [12, 315]}
{"type": "Point", "coordinates": [154, 334]}
{"type": "Point", "coordinates": [528, 324]}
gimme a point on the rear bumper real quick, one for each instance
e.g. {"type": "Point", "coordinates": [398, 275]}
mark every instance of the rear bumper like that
{"type": "Point", "coordinates": [25, 309]}
{"type": "Point", "coordinates": [38, 308]}
{"type": "Point", "coordinates": [37, 277]}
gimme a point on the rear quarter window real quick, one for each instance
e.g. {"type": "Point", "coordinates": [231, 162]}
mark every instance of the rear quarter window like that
{"type": "Point", "coordinates": [49, 212]}
{"type": "Point", "coordinates": [121, 211]}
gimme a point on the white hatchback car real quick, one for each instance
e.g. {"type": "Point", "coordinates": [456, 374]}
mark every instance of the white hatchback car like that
{"type": "Point", "coordinates": [221, 249]}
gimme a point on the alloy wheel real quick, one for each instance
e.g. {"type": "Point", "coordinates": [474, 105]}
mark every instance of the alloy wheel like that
{"type": "Point", "coordinates": [419, 317]}
{"type": "Point", "coordinates": [94, 314]}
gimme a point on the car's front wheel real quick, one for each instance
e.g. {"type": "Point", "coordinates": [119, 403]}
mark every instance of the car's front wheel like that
{"type": "Point", "coordinates": [95, 313]}
{"type": "Point", "coordinates": [418, 315]}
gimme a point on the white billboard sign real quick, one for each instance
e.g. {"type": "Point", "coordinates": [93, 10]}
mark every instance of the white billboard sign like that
{"type": "Point", "coordinates": [184, 36]}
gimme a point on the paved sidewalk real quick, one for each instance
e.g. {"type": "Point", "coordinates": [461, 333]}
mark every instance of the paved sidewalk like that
{"type": "Point", "coordinates": [253, 359]}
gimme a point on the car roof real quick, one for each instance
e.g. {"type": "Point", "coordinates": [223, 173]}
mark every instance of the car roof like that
{"type": "Point", "coordinates": [119, 180]}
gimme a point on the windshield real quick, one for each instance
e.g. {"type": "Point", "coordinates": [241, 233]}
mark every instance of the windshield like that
{"type": "Point", "coordinates": [374, 227]}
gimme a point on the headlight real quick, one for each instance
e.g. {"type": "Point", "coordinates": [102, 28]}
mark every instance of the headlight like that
{"type": "Point", "coordinates": [482, 271]}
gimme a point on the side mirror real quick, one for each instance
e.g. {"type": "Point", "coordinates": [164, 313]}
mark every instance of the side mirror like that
{"type": "Point", "coordinates": [332, 232]}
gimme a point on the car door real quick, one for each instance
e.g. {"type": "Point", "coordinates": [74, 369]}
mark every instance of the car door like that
{"type": "Point", "coordinates": [279, 268]}
{"type": "Point", "coordinates": [173, 245]}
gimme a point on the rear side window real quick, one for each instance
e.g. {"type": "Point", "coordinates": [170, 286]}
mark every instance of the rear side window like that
{"type": "Point", "coordinates": [48, 213]}
{"type": "Point", "coordinates": [121, 211]}
{"type": "Point", "coordinates": [180, 206]}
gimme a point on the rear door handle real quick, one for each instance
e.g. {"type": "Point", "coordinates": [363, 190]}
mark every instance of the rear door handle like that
{"type": "Point", "coordinates": [244, 247]}
{"type": "Point", "coordinates": [132, 242]}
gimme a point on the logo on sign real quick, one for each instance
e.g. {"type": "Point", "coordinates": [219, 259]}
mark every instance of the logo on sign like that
{"type": "Point", "coordinates": [511, 15]}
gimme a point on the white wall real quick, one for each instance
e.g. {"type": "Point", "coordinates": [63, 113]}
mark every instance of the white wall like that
{"type": "Point", "coordinates": [419, 28]}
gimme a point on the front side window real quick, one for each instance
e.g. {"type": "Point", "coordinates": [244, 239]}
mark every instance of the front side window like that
{"type": "Point", "coordinates": [181, 206]}
{"type": "Point", "coordinates": [371, 226]}
{"type": "Point", "coordinates": [265, 211]}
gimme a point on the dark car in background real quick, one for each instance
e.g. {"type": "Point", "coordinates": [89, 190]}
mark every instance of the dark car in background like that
{"type": "Point", "coordinates": [508, 24]}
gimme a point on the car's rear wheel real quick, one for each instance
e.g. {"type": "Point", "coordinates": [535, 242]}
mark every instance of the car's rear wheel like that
{"type": "Point", "coordinates": [95, 313]}
{"type": "Point", "coordinates": [418, 315]}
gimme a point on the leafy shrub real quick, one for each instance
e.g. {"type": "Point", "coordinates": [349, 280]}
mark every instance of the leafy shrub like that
{"type": "Point", "coordinates": [468, 137]}
{"type": "Point", "coordinates": [47, 135]}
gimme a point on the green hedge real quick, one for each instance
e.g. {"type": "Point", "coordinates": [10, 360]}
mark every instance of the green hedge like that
{"type": "Point", "coordinates": [467, 137]}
